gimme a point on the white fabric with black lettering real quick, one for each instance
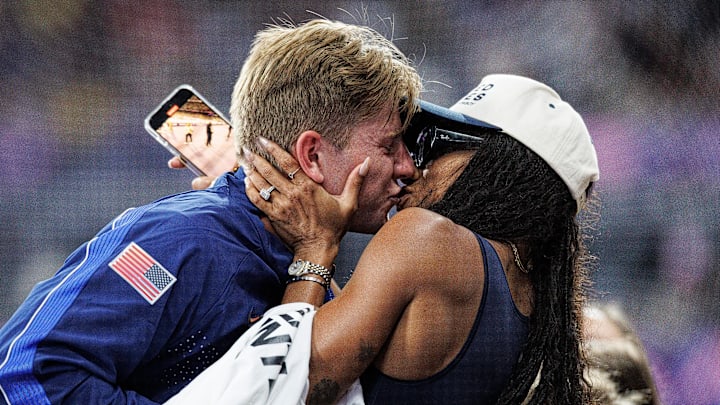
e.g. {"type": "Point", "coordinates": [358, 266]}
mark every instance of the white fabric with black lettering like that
{"type": "Point", "coordinates": [267, 365]}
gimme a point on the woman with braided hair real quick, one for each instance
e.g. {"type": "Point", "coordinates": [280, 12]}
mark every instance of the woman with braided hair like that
{"type": "Point", "coordinates": [532, 209]}
{"type": "Point", "coordinates": [472, 293]}
{"type": "Point", "coordinates": [526, 202]}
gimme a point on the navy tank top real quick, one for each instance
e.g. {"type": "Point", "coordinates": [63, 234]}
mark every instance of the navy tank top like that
{"type": "Point", "coordinates": [483, 366]}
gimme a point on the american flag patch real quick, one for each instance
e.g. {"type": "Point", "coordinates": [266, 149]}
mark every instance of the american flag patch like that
{"type": "Point", "coordinates": [142, 272]}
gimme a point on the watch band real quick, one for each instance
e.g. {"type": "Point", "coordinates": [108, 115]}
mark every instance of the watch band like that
{"type": "Point", "coordinates": [302, 267]}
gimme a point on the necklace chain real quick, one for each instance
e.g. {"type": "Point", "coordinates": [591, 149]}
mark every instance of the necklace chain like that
{"type": "Point", "coordinates": [516, 255]}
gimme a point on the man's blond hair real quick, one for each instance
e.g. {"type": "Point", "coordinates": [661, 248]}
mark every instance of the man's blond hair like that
{"type": "Point", "coordinates": [325, 76]}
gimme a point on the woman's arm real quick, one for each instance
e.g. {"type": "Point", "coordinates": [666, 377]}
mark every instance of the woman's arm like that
{"type": "Point", "coordinates": [350, 331]}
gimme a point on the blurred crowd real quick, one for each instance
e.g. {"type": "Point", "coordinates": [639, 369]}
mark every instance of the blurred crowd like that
{"type": "Point", "coordinates": [78, 78]}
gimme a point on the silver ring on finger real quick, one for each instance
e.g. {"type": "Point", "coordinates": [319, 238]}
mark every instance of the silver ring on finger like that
{"type": "Point", "coordinates": [265, 193]}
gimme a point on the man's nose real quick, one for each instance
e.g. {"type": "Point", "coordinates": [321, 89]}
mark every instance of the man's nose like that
{"type": "Point", "coordinates": [405, 169]}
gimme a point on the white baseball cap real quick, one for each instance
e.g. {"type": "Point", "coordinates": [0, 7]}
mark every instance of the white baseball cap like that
{"type": "Point", "coordinates": [532, 113]}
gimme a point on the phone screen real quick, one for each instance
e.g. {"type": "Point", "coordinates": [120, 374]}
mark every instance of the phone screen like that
{"type": "Point", "coordinates": [192, 129]}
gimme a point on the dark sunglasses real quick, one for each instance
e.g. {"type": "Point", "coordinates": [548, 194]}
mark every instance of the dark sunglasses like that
{"type": "Point", "coordinates": [432, 142]}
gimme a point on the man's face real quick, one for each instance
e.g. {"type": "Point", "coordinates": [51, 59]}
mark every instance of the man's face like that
{"type": "Point", "coordinates": [379, 139]}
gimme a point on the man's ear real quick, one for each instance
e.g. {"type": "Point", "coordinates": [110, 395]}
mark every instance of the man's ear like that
{"type": "Point", "coordinates": [307, 150]}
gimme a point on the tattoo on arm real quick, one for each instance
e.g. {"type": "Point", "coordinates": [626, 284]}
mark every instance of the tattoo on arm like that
{"type": "Point", "coordinates": [324, 392]}
{"type": "Point", "coordinates": [327, 391]}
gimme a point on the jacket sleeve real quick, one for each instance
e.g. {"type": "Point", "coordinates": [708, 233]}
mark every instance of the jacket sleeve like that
{"type": "Point", "coordinates": [81, 335]}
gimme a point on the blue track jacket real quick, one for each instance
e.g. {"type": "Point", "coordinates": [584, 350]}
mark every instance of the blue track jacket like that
{"type": "Point", "coordinates": [153, 299]}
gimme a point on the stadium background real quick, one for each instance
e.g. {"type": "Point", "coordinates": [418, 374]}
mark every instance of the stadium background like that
{"type": "Point", "coordinates": [77, 78]}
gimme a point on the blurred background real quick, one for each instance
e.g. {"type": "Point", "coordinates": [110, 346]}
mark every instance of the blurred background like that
{"type": "Point", "coordinates": [78, 77]}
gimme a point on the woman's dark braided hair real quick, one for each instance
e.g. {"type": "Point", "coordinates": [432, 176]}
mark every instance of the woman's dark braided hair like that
{"type": "Point", "coordinates": [508, 193]}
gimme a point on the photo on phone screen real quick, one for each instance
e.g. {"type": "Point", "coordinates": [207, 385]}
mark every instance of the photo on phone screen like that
{"type": "Point", "coordinates": [192, 129]}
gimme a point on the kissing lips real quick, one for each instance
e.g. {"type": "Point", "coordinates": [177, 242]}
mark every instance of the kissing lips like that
{"type": "Point", "coordinates": [402, 198]}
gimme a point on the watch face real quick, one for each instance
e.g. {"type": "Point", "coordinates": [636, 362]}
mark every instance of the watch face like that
{"type": "Point", "coordinates": [296, 268]}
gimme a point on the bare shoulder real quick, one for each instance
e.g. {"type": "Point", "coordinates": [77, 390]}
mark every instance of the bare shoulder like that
{"type": "Point", "coordinates": [426, 240]}
{"type": "Point", "coordinates": [441, 265]}
{"type": "Point", "coordinates": [423, 224]}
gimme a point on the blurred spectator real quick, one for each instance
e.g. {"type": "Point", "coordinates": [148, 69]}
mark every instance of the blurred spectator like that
{"type": "Point", "coordinates": [618, 368]}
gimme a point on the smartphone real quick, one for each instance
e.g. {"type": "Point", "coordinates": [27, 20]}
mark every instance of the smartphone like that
{"type": "Point", "coordinates": [195, 131]}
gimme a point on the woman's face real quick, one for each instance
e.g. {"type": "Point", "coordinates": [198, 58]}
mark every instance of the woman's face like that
{"type": "Point", "coordinates": [435, 180]}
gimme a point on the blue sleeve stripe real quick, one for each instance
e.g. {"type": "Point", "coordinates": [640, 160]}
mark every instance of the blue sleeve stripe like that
{"type": "Point", "coordinates": [18, 382]}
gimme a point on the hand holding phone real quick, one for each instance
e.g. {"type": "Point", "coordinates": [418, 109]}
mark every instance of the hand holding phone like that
{"type": "Point", "coordinates": [193, 130]}
{"type": "Point", "coordinates": [199, 182]}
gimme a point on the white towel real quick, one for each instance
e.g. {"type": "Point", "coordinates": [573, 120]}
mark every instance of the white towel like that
{"type": "Point", "coordinates": [269, 364]}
